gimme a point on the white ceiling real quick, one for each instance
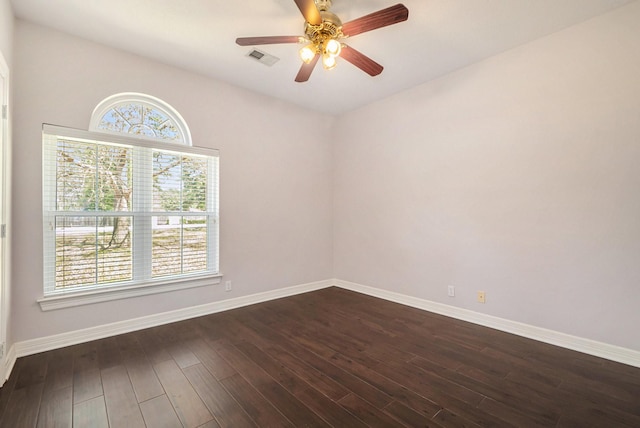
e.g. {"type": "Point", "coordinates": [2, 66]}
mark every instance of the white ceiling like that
{"type": "Point", "coordinates": [199, 35]}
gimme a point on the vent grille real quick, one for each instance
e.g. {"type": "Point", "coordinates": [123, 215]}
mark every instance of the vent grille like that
{"type": "Point", "coordinates": [263, 57]}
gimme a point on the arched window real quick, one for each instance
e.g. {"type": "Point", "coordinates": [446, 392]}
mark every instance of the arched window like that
{"type": "Point", "coordinates": [141, 115]}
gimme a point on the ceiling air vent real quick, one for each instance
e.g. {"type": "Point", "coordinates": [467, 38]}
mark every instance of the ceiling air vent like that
{"type": "Point", "coordinates": [263, 57]}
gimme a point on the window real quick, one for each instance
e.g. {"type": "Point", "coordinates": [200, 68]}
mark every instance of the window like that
{"type": "Point", "coordinates": [125, 212]}
{"type": "Point", "coordinates": [141, 115]}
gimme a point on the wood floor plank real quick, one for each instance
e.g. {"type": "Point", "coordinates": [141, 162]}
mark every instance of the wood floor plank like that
{"type": "Point", "coordinates": [348, 380]}
{"type": "Point", "coordinates": [614, 394]}
{"type": "Point", "coordinates": [429, 385]}
{"type": "Point", "coordinates": [127, 343]}
{"type": "Point", "coordinates": [462, 410]}
{"type": "Point", "coordinates": [299, 366]}
{"type": "Point", "coordinates": [108, 352]}
{"type": "Point", "coordinates": [7, 389]}
{"type": "Point", "coordinates": [146, 384]}
{"type": "Point", "coordinates": [236, 329]}
{"type": "Point", "coordinates": [56, 409]}
{"type": "Point", "coordinates": [389, 351]}
{"type": "Point", "coordinates": [517, 396]}
{"type": "Point", "coordinates": [33, 370]}
{"type": "Point", "coordinates": [209, 358]}
{"type": "Point", "coordinates": [449, 419]}
{"type": "Point", "coordinates": [221, 404]}
{"type": "Point", "coordinates": [210, 424]}
{"type": "Point", "coordinates": [23, 407]}
{"type": "Point", "coordinates": [423, 406]}
{"type": "Point", "coordinates": [285, 377]}
{"type": "Point", "coordinates": [523, 369]}
{"type": "Point", "coordinates": [159, 413]}
{"type": "Point", "coordinates": [186, 402]}
{"type": "Point", "coordinates": [59, 370]}
{"type": "Point", "coordinates": [366, 412]}
{"type": "Point", "coordinates": [334, 414]}
{"type": "Point", "coordinates": [182, 355]}
{"type": "Point", "coordinates": [90, 414]}
{"type": "Point", "coordinates": [210, 326]}
{"type": "Point", "coordinates": [291, 407]}
{"type": "Point", "coordinates": [153, 347]}
{"type": "Point", "coordinates": [85, 357]}
{"type": "Point", "coordinates": [122, 406]}
{"type": "Point", "coordinates": [87, 384]}
{"type": "Point", "coordinates": [589, 416]}
{"type": "Point", "coordinates": [473, 360]}
{"type": "Point", "coordinates": [515, 416]}
{"type": "Point", "coordinates": [143, 378]}
{"type": "Point", "coordinates": [188, 330]}
{"type": "Point", "coordinates": [309, 374]}
{"type": "Point", "coordinates": [263, 412]}
{"type": "Point", "coordinates": [409, 417]}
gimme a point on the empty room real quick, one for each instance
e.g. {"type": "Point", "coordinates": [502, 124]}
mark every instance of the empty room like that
{"type": "Point", "coordinates": [347, 213]}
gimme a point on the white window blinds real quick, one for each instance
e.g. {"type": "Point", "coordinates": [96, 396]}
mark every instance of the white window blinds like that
{"type": "Point", "coordinates": [122, 211]}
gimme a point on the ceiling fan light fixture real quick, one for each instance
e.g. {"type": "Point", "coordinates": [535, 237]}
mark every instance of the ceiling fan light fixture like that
{"type": "Point", "coordinates": [328, 61]}
{"type": "Point", "coordinates": [332, 47]}
{"type": "Point", "coordinates": [307, 53]}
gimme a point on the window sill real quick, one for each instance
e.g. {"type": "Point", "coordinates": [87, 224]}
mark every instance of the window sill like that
{"type": "Point", "coordinates": [68, 300]}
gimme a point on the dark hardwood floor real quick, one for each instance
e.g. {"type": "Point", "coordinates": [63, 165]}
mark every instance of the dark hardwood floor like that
{"type": "Point", "coordinates": [327, 358]}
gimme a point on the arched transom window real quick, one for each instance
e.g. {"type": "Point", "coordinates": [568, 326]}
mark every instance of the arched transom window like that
{"type": "Point", "coordinates": [141, 115]}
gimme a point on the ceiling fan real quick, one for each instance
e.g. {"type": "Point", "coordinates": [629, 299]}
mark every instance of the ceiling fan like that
{"type": "Point", "coordinates": [323, 32]}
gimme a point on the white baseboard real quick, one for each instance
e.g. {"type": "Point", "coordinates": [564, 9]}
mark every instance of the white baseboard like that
{"type": "Point", "coordinates": [586, 346]}
{"type": "Point", "coordinates": [41, 344]}
{"type": "Point", "coordinates": [7, 365]}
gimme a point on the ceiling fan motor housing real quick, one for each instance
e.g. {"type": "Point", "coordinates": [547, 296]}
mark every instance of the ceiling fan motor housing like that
{"type": "Point", "coordinates": [330, 28]}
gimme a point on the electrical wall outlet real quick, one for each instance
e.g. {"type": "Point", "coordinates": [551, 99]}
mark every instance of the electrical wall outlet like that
{"type": "Point", "coordinates": [481, 297]}
{"type": "Point", "coordinates": [227, 286]}
{"type": "Point", "coordinates": [451, 291]}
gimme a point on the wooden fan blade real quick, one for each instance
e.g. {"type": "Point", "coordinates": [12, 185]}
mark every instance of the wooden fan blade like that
{"type": "Point", "coordinates": [306, 69]}
{"type": "Point", "coordinates": [309, 11]}
{"type": "Point", "coordinates": [267, 40]}
{"type": "Point", "coordinates": [379, 19]}
{"type": "Point", "coordinates": [361, 61]}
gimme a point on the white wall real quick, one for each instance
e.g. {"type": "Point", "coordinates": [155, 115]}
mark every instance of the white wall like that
{"type": "Point", "coordinates": [276, 215]}
{"type": "Point", "coordinates": [6, 30]}
{"type": "Point", "coordinates": [517, 176]}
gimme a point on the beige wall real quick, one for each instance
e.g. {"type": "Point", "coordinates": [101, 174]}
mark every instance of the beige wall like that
{"type": "Point", "coordinates": [517, 176]}
{"type": "Point", "coordinates": [6, 30]}
{"type": "Point", "coordinates": [276, 219]}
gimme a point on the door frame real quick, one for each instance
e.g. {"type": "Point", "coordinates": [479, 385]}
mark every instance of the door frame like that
{"type": "Point", "coordinates": [6, 361]}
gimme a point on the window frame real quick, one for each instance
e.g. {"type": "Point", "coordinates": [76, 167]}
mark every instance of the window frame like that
{"type": "Point", "coordinates": [116, 100]}
{"type": "Point", "coordinates": [55, 299]}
